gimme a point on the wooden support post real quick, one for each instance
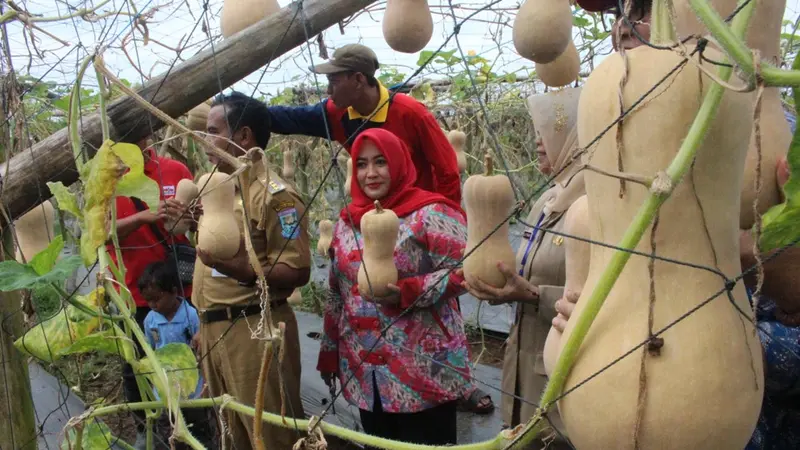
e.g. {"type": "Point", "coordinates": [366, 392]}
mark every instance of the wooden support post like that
{"type": "Point", "coordinates": [175, 93]}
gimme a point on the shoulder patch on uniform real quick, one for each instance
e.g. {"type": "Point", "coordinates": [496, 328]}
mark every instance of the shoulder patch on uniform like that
{"type": "Point", "coordinates": [290, 226]}
{"type": "Point", "coordinates": [274, 187]}
{"type": "Point", "coordinates": [279, 206]}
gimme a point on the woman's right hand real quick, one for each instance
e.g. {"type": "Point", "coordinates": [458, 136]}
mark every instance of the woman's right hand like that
{"type": "Point", "coordinates": [516, 288]}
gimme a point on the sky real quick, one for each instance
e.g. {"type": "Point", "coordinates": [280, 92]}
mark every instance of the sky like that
{"type": "Point", "coordinates": [180, 22]}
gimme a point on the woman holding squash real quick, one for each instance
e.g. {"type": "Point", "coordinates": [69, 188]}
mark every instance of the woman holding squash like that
{"type": "Point", "coordinates": [538, 282]}
{"type": "Point", "coordinates": [398, 347]}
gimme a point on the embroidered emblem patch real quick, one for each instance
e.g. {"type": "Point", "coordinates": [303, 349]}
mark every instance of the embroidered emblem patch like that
{"type": "Point", "coordinates": [290, 228]}
{"type": "Point", "coordinates": [169, 191]}
{"type": "Point", "coordinates": [154, 333]}
{"type": "Point", "coordinates": [280, 206]}
{"type": "Point", "coordinates": [274, 187]}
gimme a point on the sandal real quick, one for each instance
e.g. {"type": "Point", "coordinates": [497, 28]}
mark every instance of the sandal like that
{"type": "Point", "coordinates": [477, 402]}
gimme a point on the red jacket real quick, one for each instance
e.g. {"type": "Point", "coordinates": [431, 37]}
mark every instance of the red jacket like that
{"type": "Point", "coordinates": [433, 156]}
{"type": "Point", "coordinates": [141, 248]}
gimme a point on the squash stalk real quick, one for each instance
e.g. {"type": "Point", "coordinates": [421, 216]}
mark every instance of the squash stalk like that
{"type": "Point", "coordinates": [378, 207]}
{"type": "Point", "coordinates": [488, 164]}
{"type": "Point", "coordinates": [662, 29]}
{"type": "Point", "coordinates": [644, 217]}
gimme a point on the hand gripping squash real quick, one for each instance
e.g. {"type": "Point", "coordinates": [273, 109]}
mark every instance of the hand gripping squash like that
{"type": "Point", "coordinates": [563, 70]}
{"type": "Point", "coordinates": [763, 34]}
{"type": "Point", "coordinates": [407, 25]}
{"type": "Point", "coordinates": [458, 139]}
{"type": "Point", "coordinates": [379, 228]}
{"type": "Point", "coordinates": [240, 14]}
{"type": "Point", "coordinates": [703, 388]}
{"type": "Point", "coordinates": [197, 117]}
{"type": "Point", "coordinates": [218, 230]}
{"type": "Point", "coordinates": [325, 237]}
{"type": "Point", "coordinates": [542, 29]}
{"type": "Point", "coordinates": [184, 193]}
{"type": "Point", "coordinates": [578, 255]}
{"type": "Point", "coordinates": [35, 229]}
{"type": "Point", "coordinates": [489, 199]}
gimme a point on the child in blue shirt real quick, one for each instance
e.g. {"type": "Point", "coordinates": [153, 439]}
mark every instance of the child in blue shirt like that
{"type": "Point", "coordinates": [172, 320]}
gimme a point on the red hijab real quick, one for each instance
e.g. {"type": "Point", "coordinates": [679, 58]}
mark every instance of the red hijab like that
{"type": "Point", "coordinates": [403, 197]}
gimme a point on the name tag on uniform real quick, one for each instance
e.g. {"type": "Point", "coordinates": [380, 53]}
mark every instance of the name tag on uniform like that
{"type": "Point", "coordinates": [217, 274]}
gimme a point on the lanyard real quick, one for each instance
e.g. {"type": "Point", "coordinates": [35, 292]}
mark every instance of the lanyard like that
{"type": "Point", "coordinates": [530, 243]}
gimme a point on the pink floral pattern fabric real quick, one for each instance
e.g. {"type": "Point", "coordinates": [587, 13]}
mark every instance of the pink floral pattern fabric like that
{"type": "Point", "coordinates": [423, 359]}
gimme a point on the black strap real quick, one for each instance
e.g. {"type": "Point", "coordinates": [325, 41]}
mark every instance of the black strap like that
{"type": "Point", "coordinates": [140, 206]}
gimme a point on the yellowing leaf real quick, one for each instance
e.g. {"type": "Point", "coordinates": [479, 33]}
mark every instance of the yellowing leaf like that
{"type": "Point", "coordinates": [113, 341]}
{"type": "Point", "coordinates": [99, 187]}
{"type": "Point", "coordinates": [48, 339]}
{"type": "Point", "coordinates": [66, 200]}
{"type": "Point", "coordinates": [135, 183]}
{"type": "Point", "coordinates": [178, 360]}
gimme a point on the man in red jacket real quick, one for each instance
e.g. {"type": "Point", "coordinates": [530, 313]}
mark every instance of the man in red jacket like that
{"type": "Point", "coordinates": [143, 239]}
{"type": "Point", "coordinates": [357, 101]}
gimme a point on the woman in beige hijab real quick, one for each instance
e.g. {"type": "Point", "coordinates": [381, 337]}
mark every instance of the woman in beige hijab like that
{"type": "Point", "coordinates": [538, 280]}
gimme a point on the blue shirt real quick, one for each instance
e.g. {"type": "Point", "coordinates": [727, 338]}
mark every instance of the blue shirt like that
{"type": "Point", "coordinates": [184, 325]}
{"type": "Point", "coordinates": [778, 426]}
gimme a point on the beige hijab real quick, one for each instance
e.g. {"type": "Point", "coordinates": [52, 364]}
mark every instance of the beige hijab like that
{"type": "Point", "coordinates": [555, 117]}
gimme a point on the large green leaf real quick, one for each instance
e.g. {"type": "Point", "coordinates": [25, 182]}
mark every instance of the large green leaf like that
{"type": "Point", "coordinates": [781, 224]}
{"type": "Point", "coordinates": [96, 435]}
{"type": "Point", "coordinates": [66, 200]}
{"type": "Point", "coordinates": [44, 261]}
{"type": "Point", "coordinates": [178, 360]}
{"type": "Point", "coordinates": [135, 183]}
{"type": "Point", "coordinates": [15, 276]}
{"type": "Point", "coordinates": [112, 341]}
{"type": "Point", "coordinates": [49, 338]}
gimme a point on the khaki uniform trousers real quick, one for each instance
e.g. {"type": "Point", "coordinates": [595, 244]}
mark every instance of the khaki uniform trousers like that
{"type": "Point", "coordinates": [233, 368]}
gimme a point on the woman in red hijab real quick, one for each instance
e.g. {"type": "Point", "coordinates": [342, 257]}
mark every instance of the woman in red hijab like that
{"type": "Point", "coordinates": [402, 359]}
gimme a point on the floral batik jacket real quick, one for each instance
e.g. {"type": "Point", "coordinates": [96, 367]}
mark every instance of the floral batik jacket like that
{"type": "Point", "coordinates": [422, 360]}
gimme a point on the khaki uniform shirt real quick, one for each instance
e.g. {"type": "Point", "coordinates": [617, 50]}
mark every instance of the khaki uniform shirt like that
{"type": "Point", "coordinates": [274, 208]}
{"type": "Point", "coordinates": [523, 364]}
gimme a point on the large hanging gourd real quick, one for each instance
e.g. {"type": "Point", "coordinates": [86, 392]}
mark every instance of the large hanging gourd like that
{"type": "Point", "coordinates": [379, 229]}
{"type": "Point", "coordinates": [240, 14]}
{"type": "Point", "coordinates": [577, 256]}
{"type": "Point", "coordinates": [197, 117]}
{"type": "Point", "coordinates": [542, 29]}
{"type": "Point", "coordinates": [764, 35]}
{"type": "Point", "coordinates": [325, 237]}
{"type": "Point", "coordinates": [185, 192]}
{"type": "Point", "coordinates": [218, 230]}
{"type": "Point", "coordinates": [34, 229]}
{"type": "Point", "coordinates": [458, 139]}
{"type": "Point", "coordinates": [407, 25]}
{"type": "Point", "coordinates": [702, 383]}
{"type": "Point", "coordinates": [563, 70]}
{"type": "Point", "coordinates": [489, 199]}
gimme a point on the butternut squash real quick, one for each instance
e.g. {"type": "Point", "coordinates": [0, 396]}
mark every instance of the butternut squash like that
{"type": "Point", "coordinates": [578, 254]}
{"type": "Point", "coordinates": [218, 230]}
{"type": "Point", "coordinates": [703, 386]}
{"type": "Point", "coordinates": [763, 34]}
{"type": "Point", "coordinates": [563, 70]}
{"type": "Point", "coordinates": [185, 192]}
{"type": "Point", "coordinates": [198, 116]}
{"type": "Point", "coordinates": [325, 237]}
{"type": "Point", "coordinates": [240, 14]}
{"type": "Point", "coordinates": [458, 139]}
{"type": "Point", "coordinates": [542, 29]}
{"type": "Point", "coordinates": [288, 165]}
{"type": "Point", "coordinates": [407, 25]}
{"type": "Point", "coordinates": [35, 229]}
{"type": "Point", "coordinates": [379, 229]}
{"type": "Point", "coordinates": [296, 298]}
{"type": "Point", "coordinates": [489, 199]}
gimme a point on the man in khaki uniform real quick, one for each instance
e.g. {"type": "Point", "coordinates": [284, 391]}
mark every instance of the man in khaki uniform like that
{"type": "Point", "coordinates": [226, 294]}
